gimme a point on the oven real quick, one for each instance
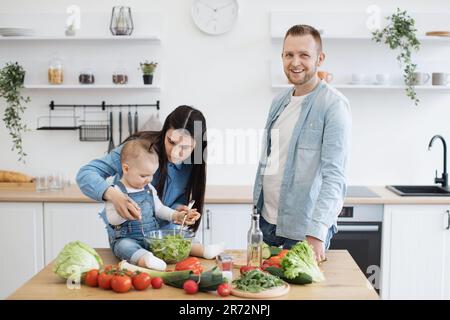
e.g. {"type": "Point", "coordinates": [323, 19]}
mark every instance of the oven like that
{"type": "Point", "coordinates": [359, 232]}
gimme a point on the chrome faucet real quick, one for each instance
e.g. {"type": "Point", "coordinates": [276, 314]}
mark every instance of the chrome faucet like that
{"type": "Point", "coordinates": [444, 179]}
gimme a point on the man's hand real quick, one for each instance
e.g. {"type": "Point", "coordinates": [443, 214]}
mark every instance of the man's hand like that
{"type": "Point", "coordinates": [318, 248]}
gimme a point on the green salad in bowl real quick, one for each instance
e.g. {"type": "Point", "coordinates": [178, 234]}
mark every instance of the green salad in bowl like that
{"type": "Point", "coordinates": [170, 245]}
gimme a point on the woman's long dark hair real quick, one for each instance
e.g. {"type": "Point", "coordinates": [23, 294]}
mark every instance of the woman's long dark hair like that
{"type": "Point", "coordinates": [192, 120]}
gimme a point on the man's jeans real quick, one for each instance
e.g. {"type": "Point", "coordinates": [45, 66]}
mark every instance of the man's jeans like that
{"type": "Point", "coordinates": [270, 237]}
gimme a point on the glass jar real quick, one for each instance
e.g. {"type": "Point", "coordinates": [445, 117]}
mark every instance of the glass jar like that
{"type": "Point", "coordinates": [55, 71]}
{"type": "Point", "coordinates": [86, 76]}
{"type": "Point", "coordinates": [120, 77]}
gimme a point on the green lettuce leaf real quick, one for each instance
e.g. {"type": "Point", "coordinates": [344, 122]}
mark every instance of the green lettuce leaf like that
{"type": "Point", "coordinates": [301, 259]}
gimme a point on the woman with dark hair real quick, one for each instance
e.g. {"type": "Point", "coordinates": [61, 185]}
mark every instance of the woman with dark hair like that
{"type": "Point", "coordinates": [181, 176]}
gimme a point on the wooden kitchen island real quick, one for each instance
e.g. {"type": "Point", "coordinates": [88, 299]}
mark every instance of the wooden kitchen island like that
{"type": "Point", "coordinates": [344, 280]}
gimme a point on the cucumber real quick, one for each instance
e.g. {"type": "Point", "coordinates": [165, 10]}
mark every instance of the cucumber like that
{"type": "Point", "coordinates": [302, 278]}
{"type": "Point", "coordinates": [209, 280]}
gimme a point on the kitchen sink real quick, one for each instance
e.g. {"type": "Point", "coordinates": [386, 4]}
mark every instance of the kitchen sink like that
{"type": "Point", "coordinates": [420, 191]}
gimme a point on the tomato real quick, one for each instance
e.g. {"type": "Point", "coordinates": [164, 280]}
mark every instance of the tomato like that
{"type": "Point", "coordinates": [224, 289]}
{"type": "Point", "coordinates": [264, 266]}
{"type": "Point", "coordinates": [104, 280]}
{"type": "Point", "coordinates": [92, 278]}
{"type": "Point", "coordinates": [245, 269]}
{"type": "Point", "coordinates": [283, 253]}
{"type": "Point", "coordinates": [190, 287]}
{"type": "Point", "coordinates": [141, 281]}
{"type": "Point", "coordinates": [121, 283]}
{"type": "Point", "coordinates": [157, 282]}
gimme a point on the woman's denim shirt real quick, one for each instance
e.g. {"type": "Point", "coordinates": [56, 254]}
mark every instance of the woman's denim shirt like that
{"type": "Point", "coordinates": [314, 181]}
{"type": "Point", "coordinates": [91, 178]}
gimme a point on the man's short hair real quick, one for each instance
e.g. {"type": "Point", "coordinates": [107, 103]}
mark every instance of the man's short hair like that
{"type": "Point", "coordinates": [133, 149]}
{"type": "Point", "coordinates": [304, 29]}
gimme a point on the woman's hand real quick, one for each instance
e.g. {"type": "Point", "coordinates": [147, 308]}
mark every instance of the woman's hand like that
{"type": "Point", "coordinates": [124, 205]}
{"type": "Point", "coordinates": [191, 215]}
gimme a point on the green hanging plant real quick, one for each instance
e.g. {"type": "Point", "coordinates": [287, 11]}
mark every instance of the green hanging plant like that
{"type": "Point", "coordinates": [400, 33]}
{"type": "Point", "coordinates": [11, 83]}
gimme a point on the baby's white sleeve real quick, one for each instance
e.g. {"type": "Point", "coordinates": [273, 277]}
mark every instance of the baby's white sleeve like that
{"type": "Point", "coordinates": [161, 211]}
{"type": "Point", "coordinates": [113, 217]}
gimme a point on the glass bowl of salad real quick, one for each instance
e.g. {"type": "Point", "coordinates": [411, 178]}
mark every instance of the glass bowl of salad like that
{"type": "Point", "coordinates": [170, 245]}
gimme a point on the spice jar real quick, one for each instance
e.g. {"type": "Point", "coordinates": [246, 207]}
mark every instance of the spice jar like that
{"type": "Point", "coordinates": [55, 71]}
{"type": "Point", "coordinates": [86, 76]}
{"type": "Point", "coordinates": [120, 77]}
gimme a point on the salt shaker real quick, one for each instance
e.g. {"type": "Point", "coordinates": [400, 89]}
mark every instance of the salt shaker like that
{"type": "Point", "coordinates": [225, 262]}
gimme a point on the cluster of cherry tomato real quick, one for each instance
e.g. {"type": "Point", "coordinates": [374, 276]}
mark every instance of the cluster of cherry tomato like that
{"type": "Point", "coordinates": [121, 281]}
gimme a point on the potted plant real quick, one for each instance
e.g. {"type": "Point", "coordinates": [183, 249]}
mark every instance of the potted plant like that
{"type": "Point", "coordinates": [148, 68]}
{"type": "Point", "coordinates": [11, 82]}
{"type": "Point", "coordinates": [400, 33]}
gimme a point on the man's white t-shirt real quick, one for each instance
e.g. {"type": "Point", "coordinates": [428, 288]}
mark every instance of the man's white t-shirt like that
{"type": "Point", "coordinates": [280, 137]}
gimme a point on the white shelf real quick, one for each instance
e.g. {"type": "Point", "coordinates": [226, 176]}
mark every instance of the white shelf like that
{"type": "Point", "coordinates": [431, 39]}
{"type": "Point", "coordinates": [82, 38]}
{"type": "Point", "coordinates": [376, 87]}
{"type": "Point", "coordinates": [151, 87]}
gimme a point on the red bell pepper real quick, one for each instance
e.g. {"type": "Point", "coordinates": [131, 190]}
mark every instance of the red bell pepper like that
{"type": "Point", "coordinates": [191, 263]}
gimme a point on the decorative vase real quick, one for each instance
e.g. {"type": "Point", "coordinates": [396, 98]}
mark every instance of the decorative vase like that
{"type": "Point", "coordinates": [121, 21]}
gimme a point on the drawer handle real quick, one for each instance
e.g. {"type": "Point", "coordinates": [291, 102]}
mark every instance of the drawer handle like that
{"type": "Point", "coordinates": [448, 220]}
{"type": "Point", "coordinates": [207, 219]}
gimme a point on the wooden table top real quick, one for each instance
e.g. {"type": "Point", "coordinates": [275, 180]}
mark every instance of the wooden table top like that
{"type": "Point", "coordinates": [344, 280]}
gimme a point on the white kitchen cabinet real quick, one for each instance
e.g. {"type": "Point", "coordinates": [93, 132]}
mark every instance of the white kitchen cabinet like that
{"type": "Point", "coordinates": [415, 255]}
{"type": "Point", "coordinates": [228, 223]}
{"type": "Point", "coordinates": [65, 222]}
{"type": "Point", "coordinates": [22, 253]}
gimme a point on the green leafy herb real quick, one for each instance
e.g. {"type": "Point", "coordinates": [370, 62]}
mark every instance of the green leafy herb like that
{"type": "Point", "coordinates": [11, 82]}
{"type": "Point", "coordinates": [172, 248]}
{"type": "Point", "coordinates": [256, 281]}
{"type": "Point", "coordinates": [400, 33]}
{"type": "Point", "coordinates": [301, 260]}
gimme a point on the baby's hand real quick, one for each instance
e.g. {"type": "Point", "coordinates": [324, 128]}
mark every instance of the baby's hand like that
{"type": "Point", "coordinates": [192, 216]}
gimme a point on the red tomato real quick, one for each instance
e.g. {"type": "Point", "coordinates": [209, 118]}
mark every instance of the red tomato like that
{"type": "Point", "coordinates": [104, 280]}
{"type": "Point", "coordinates": [92, 278]}
{"type": "Point", "coordinates": [224, 289]}
{"type": "Point", "coordinates": [141, 281]}
{"type": "Point", "coordinates": [245, 269]}
{"type": "Point", "coordinates": [157, 282]}
{"type": "Point", "coordinates": [121, 283]}
{"type": "Point", "coordinates": [190, 287]}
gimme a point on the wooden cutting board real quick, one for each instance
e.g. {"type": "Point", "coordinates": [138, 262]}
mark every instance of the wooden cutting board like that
{"type": "Point", "coordinates": [438, 33]}
{"type": "Point", "coordinates": [266, 294]}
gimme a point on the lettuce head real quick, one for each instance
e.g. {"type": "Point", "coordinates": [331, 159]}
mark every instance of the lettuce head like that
{"type": "Point", "coordinates": [301, 259]}
{"type": "Point", "coordinates": [76, 258]}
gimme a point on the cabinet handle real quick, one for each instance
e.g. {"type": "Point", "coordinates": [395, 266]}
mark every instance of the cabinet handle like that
{"type": "Point", "coordinates": [207, 218]}
{"type": "Point", "coordinates": [448, 220]}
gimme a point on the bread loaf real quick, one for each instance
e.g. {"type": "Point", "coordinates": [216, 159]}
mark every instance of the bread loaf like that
{"type": "Point", "coordinates": [12, 176]}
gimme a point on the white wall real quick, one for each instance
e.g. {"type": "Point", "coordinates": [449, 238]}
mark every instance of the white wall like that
{"type": "Point", "coordinates": [227, 77]}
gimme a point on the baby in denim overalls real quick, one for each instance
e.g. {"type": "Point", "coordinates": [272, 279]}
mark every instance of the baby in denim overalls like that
{"type": "Point", "coordinates": [126, 237]}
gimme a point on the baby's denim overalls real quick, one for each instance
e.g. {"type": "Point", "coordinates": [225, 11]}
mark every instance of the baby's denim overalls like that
{"type": "Point", "coordinates": [127, 240]}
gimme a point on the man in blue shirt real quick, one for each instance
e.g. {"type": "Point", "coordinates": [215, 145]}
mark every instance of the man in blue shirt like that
{"type": "Point", "coordinates": [301, 184]}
